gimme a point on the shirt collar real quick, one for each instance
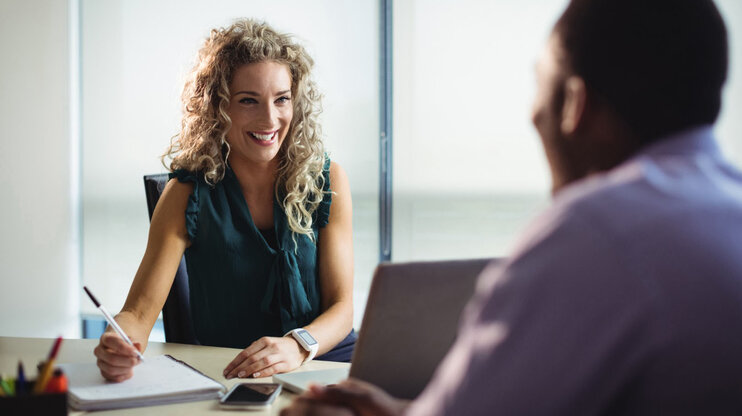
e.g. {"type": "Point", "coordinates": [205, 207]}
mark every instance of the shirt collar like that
{"type": "Point", "coordinates": [688, 142]}
{"type": "Point", "coordinates": [699, 139]}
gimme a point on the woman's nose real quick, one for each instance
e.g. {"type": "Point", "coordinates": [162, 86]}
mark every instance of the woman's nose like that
{"type": "Point", "coordinates": [268, 114]}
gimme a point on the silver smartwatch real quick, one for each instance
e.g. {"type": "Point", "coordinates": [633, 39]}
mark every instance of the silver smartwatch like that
{"type": "Point", "coordinates": [306, 340]}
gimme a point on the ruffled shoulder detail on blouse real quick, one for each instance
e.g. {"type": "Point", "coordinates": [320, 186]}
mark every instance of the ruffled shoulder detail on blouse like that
{"type": "Point", "coordinates": [323, 210]}
{"type": "Point", "coordinates": [191, 212]}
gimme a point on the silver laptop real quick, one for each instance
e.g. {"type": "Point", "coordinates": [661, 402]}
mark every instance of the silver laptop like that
{"type": "Point", "coordinates": [411, 321]}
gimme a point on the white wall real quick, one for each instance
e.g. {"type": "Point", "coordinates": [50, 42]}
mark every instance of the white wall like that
{"type": "Point", "coordinates": [38, 253]}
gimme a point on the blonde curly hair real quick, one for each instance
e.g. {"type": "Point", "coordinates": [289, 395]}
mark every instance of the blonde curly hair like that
{"type": "Point", "coordinates": [201, 146]}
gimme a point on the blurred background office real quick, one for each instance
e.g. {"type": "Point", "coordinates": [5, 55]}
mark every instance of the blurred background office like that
{"type": "Point", "coordinates": [90, 99]}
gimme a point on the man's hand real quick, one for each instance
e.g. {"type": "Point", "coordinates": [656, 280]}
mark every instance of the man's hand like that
{"type": "Point", "coordinates": [350, 397]}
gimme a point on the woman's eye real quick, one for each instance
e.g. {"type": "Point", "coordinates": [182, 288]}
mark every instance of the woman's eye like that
{"type": "Point", "coordinates": [248, 101]}
{"type": "Point", "coordinates": [282, 100]}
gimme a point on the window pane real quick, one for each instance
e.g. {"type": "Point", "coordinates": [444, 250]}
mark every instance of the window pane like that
{"type": "Point", "coordinates": [469, 171]}
{"type": "Point", "coordinates": [729, 126]}
{"type": "Point", "coordinates": [468, 167]}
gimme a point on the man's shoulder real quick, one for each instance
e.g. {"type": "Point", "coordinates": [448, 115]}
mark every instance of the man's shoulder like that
{"type": "Point", "coordinates": [647, 193]}
{"type": "Point", "coordinates": [601, 205]}
{"type": "Point", "coordinates": [637, 216]}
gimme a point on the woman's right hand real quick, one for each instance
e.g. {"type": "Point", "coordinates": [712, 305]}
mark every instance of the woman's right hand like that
{"type": "Point", "coordinates": [116, 358]}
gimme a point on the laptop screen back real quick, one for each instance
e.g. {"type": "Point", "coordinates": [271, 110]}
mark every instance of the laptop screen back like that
{"type": "Point", "coordinates": [411, 321]}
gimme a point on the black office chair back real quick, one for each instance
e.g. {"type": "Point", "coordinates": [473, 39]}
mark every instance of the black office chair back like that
{"type": "Point", "coordinates": [176, 313]}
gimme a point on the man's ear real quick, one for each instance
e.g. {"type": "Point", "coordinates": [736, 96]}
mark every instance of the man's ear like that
{"type": "Point", "coordinates": [573, 110]}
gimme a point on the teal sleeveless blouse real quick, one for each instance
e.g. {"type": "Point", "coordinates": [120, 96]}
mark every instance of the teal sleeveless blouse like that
{"type": "Point", "coordinates": [241, 288]}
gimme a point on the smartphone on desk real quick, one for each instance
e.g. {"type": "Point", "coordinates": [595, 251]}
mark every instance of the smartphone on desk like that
{"type": "Point", "coordinates": [250, 396]}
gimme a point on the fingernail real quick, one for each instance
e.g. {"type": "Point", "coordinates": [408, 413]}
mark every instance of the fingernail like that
{"type": "Point", "coordinates": [316, 389]}
{"type": "Point", "coordinates": [241, 374]}
{"type": "Point", "coordinates": [256, 375]}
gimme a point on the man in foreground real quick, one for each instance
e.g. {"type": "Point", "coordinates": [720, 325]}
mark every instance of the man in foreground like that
{"type": "Point", "coordinates": [624, 296]}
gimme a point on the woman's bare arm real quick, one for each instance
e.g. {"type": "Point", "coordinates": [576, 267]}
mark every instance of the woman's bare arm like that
{"type": "Point", "coordinates": [335, 267]}
{"type": "Point", "coordinates": [167, 241]}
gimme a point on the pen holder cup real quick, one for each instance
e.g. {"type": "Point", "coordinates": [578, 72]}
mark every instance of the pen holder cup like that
{"type": "Point", "coordinates": [52, 404]}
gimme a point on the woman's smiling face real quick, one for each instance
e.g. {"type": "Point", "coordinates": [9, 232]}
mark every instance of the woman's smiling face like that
{"type": "Point", "coordinates": [261, 111]}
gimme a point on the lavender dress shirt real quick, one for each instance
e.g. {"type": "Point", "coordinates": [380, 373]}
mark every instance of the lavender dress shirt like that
{"type": "Point", "coordinates": [623, 297]}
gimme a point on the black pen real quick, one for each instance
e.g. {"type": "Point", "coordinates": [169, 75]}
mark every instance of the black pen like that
{"type": "Point", "coordinates": [112, 322]}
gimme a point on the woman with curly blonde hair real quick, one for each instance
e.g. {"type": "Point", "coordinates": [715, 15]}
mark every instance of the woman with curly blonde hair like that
{"type": "Point", "coordinates": [262, 215]}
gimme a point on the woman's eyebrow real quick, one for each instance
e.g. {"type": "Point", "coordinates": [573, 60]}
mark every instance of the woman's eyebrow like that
{"type": "Point", "coordinates": [255, 94]}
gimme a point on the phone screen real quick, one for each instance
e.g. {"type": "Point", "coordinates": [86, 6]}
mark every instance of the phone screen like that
{"type": "Point", "coordinates": [249, 393]}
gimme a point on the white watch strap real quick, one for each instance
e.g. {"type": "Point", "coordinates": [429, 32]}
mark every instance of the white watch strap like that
{"type": "Point", "coordinates": [312, 353]}
{"type": "Point", "coordinates": [311, 348]}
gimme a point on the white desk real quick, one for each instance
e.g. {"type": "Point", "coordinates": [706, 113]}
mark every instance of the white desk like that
{"type": "Point", "coordinates": [209, 360]}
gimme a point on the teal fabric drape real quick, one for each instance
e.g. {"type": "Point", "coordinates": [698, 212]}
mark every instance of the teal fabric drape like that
{"type": "Point", "coordinates": [241, 288]}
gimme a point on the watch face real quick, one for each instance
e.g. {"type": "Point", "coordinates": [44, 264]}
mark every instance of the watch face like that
{"type": "Point", "coordinates": [306, 337]}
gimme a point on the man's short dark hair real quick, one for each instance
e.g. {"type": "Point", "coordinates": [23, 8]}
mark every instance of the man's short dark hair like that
{"type": "Point", "coordinates": [660, 64]}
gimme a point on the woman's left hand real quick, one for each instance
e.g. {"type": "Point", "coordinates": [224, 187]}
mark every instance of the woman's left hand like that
{"type": "Point", "coordinates": [265, 357]}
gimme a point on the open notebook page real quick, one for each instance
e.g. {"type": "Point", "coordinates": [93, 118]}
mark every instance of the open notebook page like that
{"type": "Point", "coordinates": [157, 380]}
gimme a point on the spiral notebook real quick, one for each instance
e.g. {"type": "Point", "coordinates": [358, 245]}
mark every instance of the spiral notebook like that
{"type": "Point", "coordinates": [158, 380]}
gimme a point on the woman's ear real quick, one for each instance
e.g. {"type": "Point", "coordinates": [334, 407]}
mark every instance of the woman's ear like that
{"type": "Point", "coordinates": [573, 110]}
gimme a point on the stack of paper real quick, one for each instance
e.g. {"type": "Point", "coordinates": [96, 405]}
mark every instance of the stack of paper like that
{"type": "Point", "coordinates": [157, 380]}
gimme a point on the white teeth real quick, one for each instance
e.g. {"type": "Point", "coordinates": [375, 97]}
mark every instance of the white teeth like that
{"type": "Point", "coordinates": [263, 137]}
